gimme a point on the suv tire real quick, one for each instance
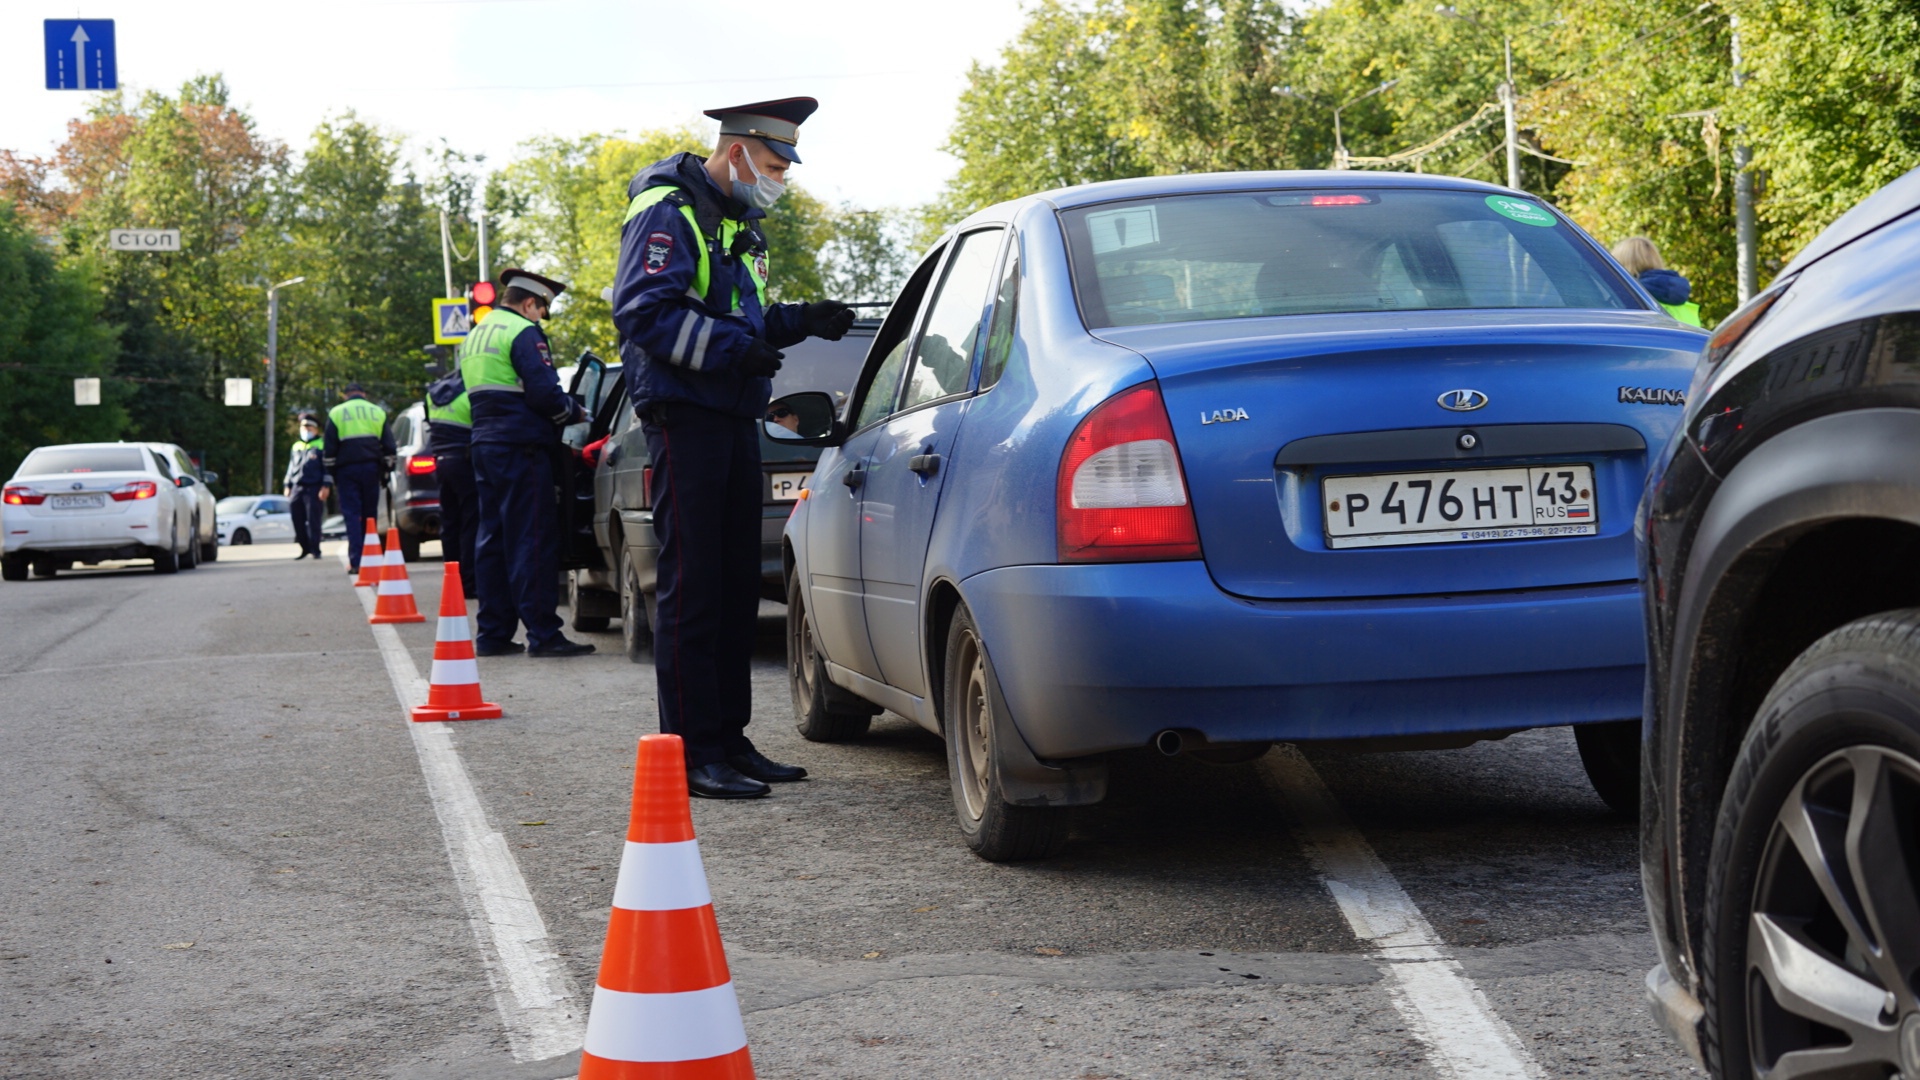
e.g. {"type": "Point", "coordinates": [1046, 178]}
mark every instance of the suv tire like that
{"type": "Point", "coordinates": [1834, 754]}
{"type": "Point", "coordinates": [822, 712]}
{"type": "Point", "coordinates": [995, 829]}
{"type": "Point", "coordinates": [1610, 752]}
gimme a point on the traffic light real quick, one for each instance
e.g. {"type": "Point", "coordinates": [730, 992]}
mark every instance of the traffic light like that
{"type": "Point", "coordinates": [481, 296]}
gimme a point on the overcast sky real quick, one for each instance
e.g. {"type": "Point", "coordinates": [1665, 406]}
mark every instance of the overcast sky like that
{"type": "Point", "coordinates": [887, 73]}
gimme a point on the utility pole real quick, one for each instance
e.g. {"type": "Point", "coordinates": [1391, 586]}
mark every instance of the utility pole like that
{"type": "Point", "coordinates": [446, 253]}
{"type": "Point", "coordinates": [1744, 238]}
{"type": "Point", "coordinates": [1339, 146]}
{"type": "Point", "coordinates": [1513, 134]}
{"type": "Point", "coordinates": [273, 374]}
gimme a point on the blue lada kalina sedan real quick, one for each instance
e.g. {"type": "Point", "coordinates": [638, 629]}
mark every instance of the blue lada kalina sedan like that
{"type": "Point", "coordinates": [1208, 462]}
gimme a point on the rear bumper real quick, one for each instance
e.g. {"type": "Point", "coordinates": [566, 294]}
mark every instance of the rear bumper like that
{"type": "Point", "coordinates": [1098, 658]}
{"type": "Point", "coordinates": [419, 519]}
{"type": "Point", "coordinates": [83, 533]}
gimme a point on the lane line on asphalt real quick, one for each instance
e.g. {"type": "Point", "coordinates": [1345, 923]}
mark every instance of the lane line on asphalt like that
{"type": "Point", "coordinates": [181, 659]}
{"type": "Point", "coordinates": [538, 1002]}
{"type": "Point", "coordinates": [1441, 1005]}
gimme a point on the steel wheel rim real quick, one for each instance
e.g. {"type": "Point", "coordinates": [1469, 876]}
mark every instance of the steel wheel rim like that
{"type": "Point", "coordinates": [1833, 933]}
{"type": "Point", "coordinates": [975, 717]}
{"type": "Point", "coordinates": [631, 608]}
{"type": "Point", "coordinates": [800, 652]}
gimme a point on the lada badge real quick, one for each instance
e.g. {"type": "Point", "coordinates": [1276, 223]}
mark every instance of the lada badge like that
{"type": "Point", "coordinates": [1461, 400]}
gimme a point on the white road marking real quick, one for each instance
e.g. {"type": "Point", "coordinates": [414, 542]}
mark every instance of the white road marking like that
{"type": "Point", "coordinates": [222, 658]}
{"type": "Point", "coordinates": [538, 1002]}
{"type": "Point", "coordinates": [1441, 1005]}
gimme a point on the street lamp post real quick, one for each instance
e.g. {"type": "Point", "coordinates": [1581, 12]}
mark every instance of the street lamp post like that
{"type": "Point", "coordinates": [1340, 146]}
{"type": "Point", "coordinates": [1509, 94]}
{"type": "Point", "coordinates": [273, 373]}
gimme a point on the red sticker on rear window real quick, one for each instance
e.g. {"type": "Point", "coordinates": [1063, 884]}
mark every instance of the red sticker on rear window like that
{"type": "Point", "coordinates": [659, 251]}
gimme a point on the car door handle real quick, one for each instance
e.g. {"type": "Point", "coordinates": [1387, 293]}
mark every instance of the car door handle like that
{"type": "Point", "coordinates": [613, 454]}
{"type": "Point", "coordinates": [855, 476]}
{"type": "Point", "coordinates": [924, 464]}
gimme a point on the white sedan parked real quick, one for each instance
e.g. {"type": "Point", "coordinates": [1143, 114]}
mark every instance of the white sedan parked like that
{"type": "Point", "coordinates": [254, 519]}
{"type": "Point", "coordinates": [95, 502]}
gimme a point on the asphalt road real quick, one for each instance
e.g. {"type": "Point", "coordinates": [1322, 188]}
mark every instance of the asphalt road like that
{"type": "Point", "coordinates": [222, 859]}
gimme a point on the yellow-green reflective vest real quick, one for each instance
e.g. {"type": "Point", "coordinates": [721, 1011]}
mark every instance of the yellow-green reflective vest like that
{"type": "Point", "coordinates": [458, 412]}
{"type": "Point", "coordinates": [1688, 313]}
{"type": "Point", "coordinates": [486, 357]}
{"type": "Point", "coordinates": [357, 418]}
{"type": "Point", "coordinates": [703, 276]}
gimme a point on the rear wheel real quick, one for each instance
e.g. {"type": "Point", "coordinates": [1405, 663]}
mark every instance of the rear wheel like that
{"type": "Point", "coordinates": [13, 566]}
{"type": "Point", "coordinates": [165, 561]}
{"type": "Point", "coordinates": [190, 558]}
{"type": "Point", "coordinates": [636, 615]}
{"type": "Point", "coordinates": [210, 551]}
{"type": "Point", "coordinates": [409, 547]}
{"type": "Point", "coordinates": [579, 599]}
{"type": "Point", "coordinates": [995, 829]}
{"type": "Point", "coordinates": [822, 711]}
{"type": "Point", "coordinates": [242, 536]}
{"type": "Point", "coordinates": [1611, 754]}
{"type": "Point", "coordinates": [1813, 889]}
{"type": "Point", "coordinates": [44, 566]}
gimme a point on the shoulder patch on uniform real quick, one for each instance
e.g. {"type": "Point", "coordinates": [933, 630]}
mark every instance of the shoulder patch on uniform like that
{"type": "Point", "coordinates": [760, 267]}
{"type": "Point", "coordinates": [659, 251]}
{"type": "Point", "coordinates": [545, 357]}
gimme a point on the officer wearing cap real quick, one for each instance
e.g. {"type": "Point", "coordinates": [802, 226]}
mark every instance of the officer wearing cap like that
{"type": "Point", "coordinates": [306, 485]}
{"type": "Point", "coordinates": [449, 436]}
{"type": "Point", "coordinates": [700, 344]}
{"type": "Point", "coordinates": [358, 447]}
{"type": "Point", "coordinates": [516, 408]}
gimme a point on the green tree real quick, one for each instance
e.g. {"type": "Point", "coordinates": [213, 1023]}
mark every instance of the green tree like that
{"type": "Point", "coordinates": [50, 334]}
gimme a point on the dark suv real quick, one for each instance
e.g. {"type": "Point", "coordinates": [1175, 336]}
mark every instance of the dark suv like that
{"type": "Point", "coordinates": [613, 575]}
{"type": "Point", "coordinates": [1780, 799]}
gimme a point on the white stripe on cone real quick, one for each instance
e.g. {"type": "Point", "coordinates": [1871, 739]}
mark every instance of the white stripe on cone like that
{"type": "Point", "coordinates": [665, 1027]}
{"type": "Point", "coordinates": [453, 628]}
{"type": "Point", "coordinates": [455, 673]}
{"type": "Point", "coordinates": [661, 877]}
{"type": "Point", "coordinates": [400, 584]}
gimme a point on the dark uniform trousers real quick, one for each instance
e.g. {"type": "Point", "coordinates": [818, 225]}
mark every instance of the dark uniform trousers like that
{"type": "Point", "coordinates": [459, 515]}
{"type": "Point", "coordinates": [307, 516]}
{"type": "Point", "coordinates": [707, 491]}
{"type": "Point", "coordinates": [359, 487]}
{"type": "Point", "coordinates": [517, 549]}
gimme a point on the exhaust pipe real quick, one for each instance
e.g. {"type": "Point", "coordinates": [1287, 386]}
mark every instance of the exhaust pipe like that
{"type": "Point", "coordinates": [1172, 741]}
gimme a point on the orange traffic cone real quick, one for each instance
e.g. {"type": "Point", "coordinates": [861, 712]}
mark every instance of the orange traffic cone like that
{"type": "Point", "coordinates": [394, 602]}
{"type": "Point", "coordinates": [664, 1007]}
{"type": "Point", "coordinates": [453, 689]}
{"type": "Point", "coordinates": [370, 560]}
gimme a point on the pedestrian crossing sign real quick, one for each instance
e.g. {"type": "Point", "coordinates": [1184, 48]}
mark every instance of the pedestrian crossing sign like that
{"type": "Point", "coordinates": [450, 321]}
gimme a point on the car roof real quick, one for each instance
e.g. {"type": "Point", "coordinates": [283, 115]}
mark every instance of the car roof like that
{"type": "Point", "coordinates": [1145, 187]}
{"type": "Point", "coordinates": [1896, 200]}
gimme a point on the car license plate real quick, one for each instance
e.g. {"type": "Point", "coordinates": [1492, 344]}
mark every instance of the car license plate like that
{"type": "Point", "coordinates": [786, 485]}
{"type": "Point", "coordinates": [1457, 506]}
{"type": "Point", "coordinates": [77, 502]}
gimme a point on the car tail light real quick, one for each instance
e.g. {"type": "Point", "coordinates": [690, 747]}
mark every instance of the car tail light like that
{"type": "Point", "coordinates": [137, 489]}
{"type": "Point", "coordinates": [22, 495]}
{"type": "Point", "coordinates": [1122, 496]}
{"type": "Point", "coordinates": [420, 464]}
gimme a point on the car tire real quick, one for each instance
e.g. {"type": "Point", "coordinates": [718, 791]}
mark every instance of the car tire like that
{"type": "Point", "coordinates": [586, 624]}
{"type": "Point", "coordinates": [210, 551]}
{"type": "Point", "coordinates": [636, 615]}
{"type": "Point", "coordinates": [190, 558]}
{"type": "Point", "coordinates": [242, 536]}
{"type": "Point", "coordinates": [45, 566]}
{"type": "Point", "coordinates": [995, 829]}
{"type": "Point", "coordinates": [1834, 753]}
{"type": "Point", "coordinates": [822, 712]}
{"type": "Point", "coordinates": [1610, 752]}
{"type": "Point", "coordinates": [166, 561]}
{"type": "Point", "coordinates": [409, 547]}
{"type": "Point", "coordinates": [14, 566]}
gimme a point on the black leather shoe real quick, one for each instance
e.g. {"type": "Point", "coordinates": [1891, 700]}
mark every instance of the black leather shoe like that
{"type": "Point", "coordinates": [483, 647]}
{"type": "Point", "coordinates": [762, 768]}
{"type": "Point", "coordinates": [560, 647]}
{"type": "Point", "coordinates": [722, 781]}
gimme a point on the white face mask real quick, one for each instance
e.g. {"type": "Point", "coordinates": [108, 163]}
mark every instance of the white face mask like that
{"type": "Point", "coordinates": [763, 192]}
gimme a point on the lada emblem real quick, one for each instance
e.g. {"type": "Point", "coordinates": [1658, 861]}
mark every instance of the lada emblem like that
{"type": "Point", "coordinates": [1461, 400]}
{"type": "Point", "coordinates": [77, 485]}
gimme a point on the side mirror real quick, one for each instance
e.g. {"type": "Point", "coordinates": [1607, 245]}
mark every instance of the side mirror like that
{"type": "Point", "coordinates": [262, 512]}
{"type": "Point", "coordinates": [805, 418]}
{"type": "Point", "coordinates": [210, 476]}
{"type": "Point", "coordinates": [183, 481]}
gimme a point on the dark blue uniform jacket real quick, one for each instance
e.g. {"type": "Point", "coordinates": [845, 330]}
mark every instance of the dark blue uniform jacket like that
{"type": "Point", "coordinates": [443, 437]}
{"type": "Point", "coordinates": [305, 468]}
{"type": "Point", "coordinates": [537, 413]}
{"type": "Point", "coordinates": [673, 345]}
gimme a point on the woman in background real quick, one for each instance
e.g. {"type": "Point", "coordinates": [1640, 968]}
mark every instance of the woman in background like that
{"type": "Point", "coordinates": [1669, 289]}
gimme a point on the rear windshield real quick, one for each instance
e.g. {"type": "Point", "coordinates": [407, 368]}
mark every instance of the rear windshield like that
{"type": "Point", "coordinates": [1248, 254]}
{"type": "Point", "coordinates": [83, 459]}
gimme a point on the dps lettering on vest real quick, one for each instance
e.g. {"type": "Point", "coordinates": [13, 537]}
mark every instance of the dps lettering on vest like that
{"type": "Point", "coordinates": [486, 357]}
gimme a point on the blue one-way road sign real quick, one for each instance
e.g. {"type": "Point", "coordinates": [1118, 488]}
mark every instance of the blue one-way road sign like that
{"type": "Point", "coordinates": [80, 55]}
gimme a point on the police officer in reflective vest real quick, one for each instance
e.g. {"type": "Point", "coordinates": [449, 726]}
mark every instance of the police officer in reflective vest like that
{"type": "Point", "coordinates": [306, 485]}
{"type": "Point", "coordinates": [700, 345]}
{"type": "Point", "coordinates": [358, 448]}
{"type": "Point", "coordinates": [517, 408]}
{"type": "Point", "coordinates": [449, 435]}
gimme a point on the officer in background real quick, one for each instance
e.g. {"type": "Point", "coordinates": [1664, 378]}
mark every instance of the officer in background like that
{"type": "Point", "coordinates": [357, 451]}
{"type": "Point", "coordinates": [700, 344]}
{"type": "Point", "coordinates": [449, 434]}
{"type": "Point", "coordinates": [517, 410]}
{"type": "Point", "coordinates": [306, 486]}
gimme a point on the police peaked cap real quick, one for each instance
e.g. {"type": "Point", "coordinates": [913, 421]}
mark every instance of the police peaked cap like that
{"type": "Point", "coordinates": [776, 123]}
{"type": "Point", "coordinates": [543, 287]}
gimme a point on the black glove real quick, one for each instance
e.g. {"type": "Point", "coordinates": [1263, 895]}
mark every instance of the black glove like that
{"type": "Point", "coordinates": [828, 319]}
{"type": "Point", "coordinates": [761, 360]}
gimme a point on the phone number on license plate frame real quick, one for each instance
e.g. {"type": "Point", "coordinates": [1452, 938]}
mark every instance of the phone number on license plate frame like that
{"type": "Point", "coordinates": [1455, 506]}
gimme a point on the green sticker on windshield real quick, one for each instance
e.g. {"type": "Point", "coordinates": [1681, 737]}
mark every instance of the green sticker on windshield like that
{"type": "Point", "coordinates": [1521, 210]}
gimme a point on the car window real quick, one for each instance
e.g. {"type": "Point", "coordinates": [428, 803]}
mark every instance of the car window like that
{"type": "Point", "coordinates": [880, 385]}
{"type": "Point", "coordinates": [943, 360]}
{"type": "Point", "coordinates": [402, 430]}
{"type": "Point", "coordinates": [82, 459]}
{"type": "Point", "coordinates": [1006, 301]}
{"type": "Point", "coordinates": [184, 463]}
{"type": "Point", "coordinates": [1299, 252]}
{"type": "Point", "coordinates": [160, 463]}
{"type": "Point", "coordinates": [274, 506]}
{"type": "Point", "coordinates": [236, 504]}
